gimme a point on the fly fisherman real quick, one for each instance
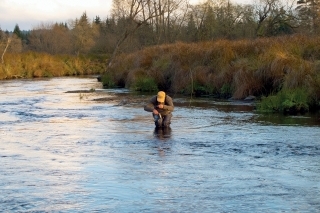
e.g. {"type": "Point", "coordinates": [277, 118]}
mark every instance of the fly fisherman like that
{"type": "Point", "coordinates": [161, 106]}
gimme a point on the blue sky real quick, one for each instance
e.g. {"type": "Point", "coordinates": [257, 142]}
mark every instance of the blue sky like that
{"type": "Point", "coordinates": [29, 14]}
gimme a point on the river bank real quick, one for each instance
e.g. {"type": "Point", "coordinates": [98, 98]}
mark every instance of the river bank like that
{"type": "Point", "coordinates": [282, 72]}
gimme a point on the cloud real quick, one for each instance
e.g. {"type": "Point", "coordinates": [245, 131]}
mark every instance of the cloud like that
{"type": "Point", "coordinates": [31, 13]}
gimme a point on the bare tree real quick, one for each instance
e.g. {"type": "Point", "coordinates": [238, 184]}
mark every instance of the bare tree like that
{"type": "Point", "coordinates": [50, 38]}
{"type": "Point", "coordinates": [177, 17]}
{"type": "Point", "coordinates": [274, 17]}
{"type": "Point", "coordinates": [309, 14]}
{"type": "Point", "coordinates": [5, 49]}
{"type": "Point", "coordinates": [134, 13]}
{"type": "Point", "coordinates": [15, 44]}
{"type": "Point", "coordinates": [170, 17]}
{"type": "Point", "coordinates": [10, 43]}
{"type": "Point", "coordinates": [263, 10]}
{"type": "Point", "coordinates": [246, 24]}
{"type": "Point", "coordinates": [204, 19]}
{"type": "Point", "coordinates": [84, 34]}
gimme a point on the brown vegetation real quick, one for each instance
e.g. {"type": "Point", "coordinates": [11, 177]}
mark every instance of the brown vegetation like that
{"type": "Point", "coordinates": [31, 65]}
{"type": "Point", "coordinates": [241, 68]}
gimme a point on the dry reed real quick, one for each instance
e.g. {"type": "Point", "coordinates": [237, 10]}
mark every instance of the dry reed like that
{"type": "Point", "coordinates": [249, 67]}
{"type": "Point", "coordinates": [33, 65]}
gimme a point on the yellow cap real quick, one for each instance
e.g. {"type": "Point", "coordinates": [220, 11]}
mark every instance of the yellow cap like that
{"type": "Point", "coordinates": [161, 96]}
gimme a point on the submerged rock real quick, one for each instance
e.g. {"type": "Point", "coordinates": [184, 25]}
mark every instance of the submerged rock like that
{"type": "Point", "coordinates": [81, 91]}
{"type": "Point", "coordinates": [250, 98]}
{"type": "Point", "coordinates": [123, 102]}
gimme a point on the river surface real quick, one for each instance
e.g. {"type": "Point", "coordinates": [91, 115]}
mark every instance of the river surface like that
{"type": "Point", "coordinates": [64, 151]}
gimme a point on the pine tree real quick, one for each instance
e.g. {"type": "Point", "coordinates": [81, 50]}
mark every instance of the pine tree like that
{"type": "Point", "coordinates": [97, 20]}
{"type": "Point", "coordinates": [18, 32]}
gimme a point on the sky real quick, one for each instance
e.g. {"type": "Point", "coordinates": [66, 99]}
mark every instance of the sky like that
{"type": "Point", "coordinates": [29, 14]}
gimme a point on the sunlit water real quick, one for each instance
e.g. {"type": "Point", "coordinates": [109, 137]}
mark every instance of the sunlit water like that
{"type": "Point", "coordinates": [65, 152]}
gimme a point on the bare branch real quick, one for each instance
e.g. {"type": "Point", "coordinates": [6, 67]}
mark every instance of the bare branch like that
{"type": "Point", "coordinates": [5, 49]}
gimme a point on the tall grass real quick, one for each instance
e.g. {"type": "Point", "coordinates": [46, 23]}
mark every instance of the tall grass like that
{"type": "Point", "coordinates": [262, 67]}
{"type": "Point", "coordinates": [237, 69]}
{"type": "Point", "coordinates": [32, 65]}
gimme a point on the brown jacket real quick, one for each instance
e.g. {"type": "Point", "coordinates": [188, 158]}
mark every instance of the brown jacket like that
{"type": "Point", "coordinates": [153, 103]}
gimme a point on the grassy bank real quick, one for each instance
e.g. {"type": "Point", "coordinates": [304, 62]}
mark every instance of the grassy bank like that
{"type": "Point", "coordinates": [265, 68]}
{"type": "Point", "coordinates": [33, 65]}
{"type": "Point", "coordinates": [283, 72]}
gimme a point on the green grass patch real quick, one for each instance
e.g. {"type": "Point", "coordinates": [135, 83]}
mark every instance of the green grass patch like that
{"type": "Point", "coordinates": [286, 101]}
{"type": "Point", "coordinates": [226, 91]}
{"type": "Point", "coordinates": [108, 81]}
{"type": "Point", "coordinates": [145, 84]}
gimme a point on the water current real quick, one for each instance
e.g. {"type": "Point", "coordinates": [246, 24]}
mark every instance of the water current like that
{"type": "Point", "coordinates": [63, 151]}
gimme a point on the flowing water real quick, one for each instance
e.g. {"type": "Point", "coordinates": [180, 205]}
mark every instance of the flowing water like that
{"type": "Point", "coordinates": [64, 151]}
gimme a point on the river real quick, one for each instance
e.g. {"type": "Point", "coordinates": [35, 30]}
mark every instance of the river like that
{"type": "Point", "coordinates": [63, 151]}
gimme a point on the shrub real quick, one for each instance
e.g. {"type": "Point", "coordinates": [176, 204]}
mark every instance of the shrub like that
{"type": "Point", "coordinates": [145, 84]}
{"type": "Point", "coordinates": [33, 64]}
{"type": "Point", "coordinates": [108, 81]}
{"type": "Point", "coordinates": [226, 91]}
{"type": "Point", "coordinates": [286, 101]}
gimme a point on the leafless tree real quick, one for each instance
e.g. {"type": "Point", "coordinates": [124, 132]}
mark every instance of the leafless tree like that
{"type": "Point", "coordinates": [274, 16]}
{"type": "Point", "coordinates": [309, 15]}
{"type": "Point", "coordinates": [50, 38]}
{"type": "Point", "coordinates": [83, 33]}
{"type": "Point", "coordinates": [136, 13]}
{"type": "Point", "coordinates": [5, 49]}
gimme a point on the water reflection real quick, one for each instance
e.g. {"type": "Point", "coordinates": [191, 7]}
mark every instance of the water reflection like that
{"type": "Point", "coordinates": [221, 105]}
{"type": "Point", "coordinates": [162, 133]}
{"type": "Point", "coordinates": [307, 119]}
{"type": "Point", "coordinates": [163, 143]}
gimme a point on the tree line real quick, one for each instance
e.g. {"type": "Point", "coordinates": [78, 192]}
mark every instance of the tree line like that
{"type": "Point", "coordinates": [135, 24]}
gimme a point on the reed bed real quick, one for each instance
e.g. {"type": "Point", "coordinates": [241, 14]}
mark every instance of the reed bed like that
{"type": "Point", "coordinates": [34, 65]}
{"type": "Point", "coordinates": [237, 69]}
{"type": "Point", "coordinates": [263, 67]}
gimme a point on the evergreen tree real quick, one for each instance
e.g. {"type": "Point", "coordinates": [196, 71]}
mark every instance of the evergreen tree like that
{"type": "Point", "coordinates": [18, 32]}
{"type": "Point", "coordinates": [97, 20]}
{"type": "Point", "coordinates": [210, 23]}
{"type": "Point", "coordinates": [191, 29]}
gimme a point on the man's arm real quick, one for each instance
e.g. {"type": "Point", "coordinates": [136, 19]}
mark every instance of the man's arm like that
{"type": "Point", "coordinates": [168, 104]}
{"type": "Point", "coordinates": [150, 106]}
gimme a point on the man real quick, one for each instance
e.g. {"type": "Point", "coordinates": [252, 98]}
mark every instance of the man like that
{"type": "Point", "coordinates": [161, 107]}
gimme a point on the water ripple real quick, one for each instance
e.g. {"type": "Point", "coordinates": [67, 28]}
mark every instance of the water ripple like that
{"type": "Point", "coordinates": [60, 153]}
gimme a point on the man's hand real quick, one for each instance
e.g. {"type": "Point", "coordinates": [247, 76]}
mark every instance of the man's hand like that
{"type": "Point", "coordinates": [160, 106]}
{"type": "Point", "coordinates": [155, 112]}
